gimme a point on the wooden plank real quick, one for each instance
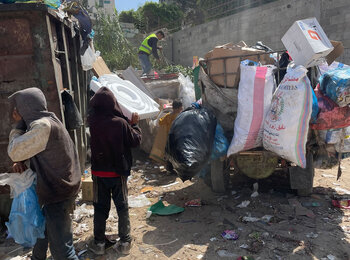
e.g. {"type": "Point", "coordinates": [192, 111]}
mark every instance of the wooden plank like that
{"type": "Point", "coordinates": [66, 51]}
{"type": "Point", "coordinates": [100, 68]}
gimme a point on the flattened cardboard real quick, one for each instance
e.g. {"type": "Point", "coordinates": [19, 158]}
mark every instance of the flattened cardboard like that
{"type": "Point", "coordinates": [337, 51]}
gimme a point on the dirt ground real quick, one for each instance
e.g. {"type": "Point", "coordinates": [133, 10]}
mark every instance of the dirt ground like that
{"type": "Point", "coordinates": [285, 226]}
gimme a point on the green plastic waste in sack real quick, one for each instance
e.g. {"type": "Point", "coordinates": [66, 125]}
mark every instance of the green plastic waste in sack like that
{"type": "Point", "coordinates": [160, 209]}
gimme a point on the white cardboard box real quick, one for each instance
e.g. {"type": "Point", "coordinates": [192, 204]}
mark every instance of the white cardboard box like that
{"type": "Point", "coordinates": [307, 43]}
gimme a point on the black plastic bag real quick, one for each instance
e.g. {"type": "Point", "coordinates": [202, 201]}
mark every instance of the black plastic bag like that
{"type": "Point", "coordinates": [72, 117]}
{"type": "Point", "coordinates": [190, 141]}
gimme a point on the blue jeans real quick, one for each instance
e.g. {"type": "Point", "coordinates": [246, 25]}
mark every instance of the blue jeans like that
{"type": "Point", "coordinates": [58, 233]}
{"type": "Point", "coordinates": [145, 63]}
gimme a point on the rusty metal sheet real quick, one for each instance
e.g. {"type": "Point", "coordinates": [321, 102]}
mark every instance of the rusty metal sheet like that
{"type": "Point", "coordinates": [15, 35]}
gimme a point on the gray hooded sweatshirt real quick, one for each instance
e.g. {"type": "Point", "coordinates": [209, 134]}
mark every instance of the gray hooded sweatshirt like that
{"type": "Point", "coordinates": [43, 139]}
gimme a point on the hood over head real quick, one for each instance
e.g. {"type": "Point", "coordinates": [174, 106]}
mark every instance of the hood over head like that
{"type": "Point", "coordinates": [104, 103]}
{"type": "Point", "coordinates": [31, 104]}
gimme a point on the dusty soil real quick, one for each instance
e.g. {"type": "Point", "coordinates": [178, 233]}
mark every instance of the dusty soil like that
{"type": "Point", "coordinates": [196, 232]}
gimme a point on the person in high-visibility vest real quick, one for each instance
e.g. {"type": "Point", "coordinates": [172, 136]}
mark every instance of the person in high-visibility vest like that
{"type": "Point", "coordinates": [148, 46]}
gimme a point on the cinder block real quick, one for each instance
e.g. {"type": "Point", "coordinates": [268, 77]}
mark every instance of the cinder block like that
{"type": "Point", "coordinates": [87, 189]}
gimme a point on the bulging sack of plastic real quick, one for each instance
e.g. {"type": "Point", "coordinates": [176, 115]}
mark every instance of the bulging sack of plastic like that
{"type": "Point", "coordinates": [220, 143]}
{"type": "Point", "coordinates": [324, 67]}
{"type": "Point", "coordinates": [255, 91]}
{"type": "Point", "coordinates": [343, 142]}
{"type": "Point", "coordinates": [336, 85]}
{"type": "Point", "coordinates": [190, 141]}
{"type": "Point", "coordinates": [330, 115]}
{"type": "Point", "coordinates": [187, 94]}
{"type": "Point", "coordinates": [287, 123]}
{"type": "Point", "coordinates": [26, 221]}
{"type": "Point", "coordinates": [18, 182]}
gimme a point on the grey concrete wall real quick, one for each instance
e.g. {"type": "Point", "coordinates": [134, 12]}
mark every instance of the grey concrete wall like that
{"type": "Point", "coordinates": [266, 23]}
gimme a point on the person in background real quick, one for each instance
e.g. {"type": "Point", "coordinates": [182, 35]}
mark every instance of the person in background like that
{"type": "Point", "coordinates": [112, 137]}
{"type": "Point", "coordinates": [148, 46]}
{"type": "Point", "coordinates": [158, 149]}
{"type": "Point", "coordinates": [167, 120]}
{"type": "Point", "coordinates": [40, 137]}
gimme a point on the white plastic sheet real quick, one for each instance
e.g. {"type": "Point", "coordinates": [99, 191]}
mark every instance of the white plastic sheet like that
{"type": "Point", "coordinates": [130, 98]}
{"type": "Point", "coordinates": [187, 94]}
{"type": "Point", "coordinates": [18, 182]}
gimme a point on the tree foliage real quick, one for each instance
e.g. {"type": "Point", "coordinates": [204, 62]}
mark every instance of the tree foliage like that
{"type": "Point", "coordinates": [152, 16]}
{"type": "Point", "coordinates": [109, 39]}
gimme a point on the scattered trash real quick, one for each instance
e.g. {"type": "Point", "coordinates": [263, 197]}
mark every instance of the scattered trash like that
{"type": "Point", "coordinates": [169, 185]}
{"type": "Point", "coordinates": [82, 212]}
{"type": "Point", "coordinates": [138, 201]}
{"type": "Point", "coordinates": [342, 190]}
{"type": "Point", "coordinates": [81, 228]}
{"type": "Point", "coordinates": [255, 190]}
{"type": "Point", "coordinates": [225, 253]}
{"type": "Point", "coordinates": [328, 176]}
{"type": "Point", "coordinates": [233, 192]}
{"type": "Point", "coordinates": [250, 219]}
{"type": "Point", "coordinates": [266, 218]}
{"type": "Point", "coordinates": [311, 204]}
{"type": "Point", "coordinates": [343, 204]}
{"type": "Point", "coordinates": [244, 204]}
{"type": "Point", "coordinates": [331, 257]}
{"type": "Point", "coordinates": [300, 210]}
{"type": "Point", "coordinates": [146, 189]}
{"type": "Point", "coordinates": [160, 209]}
{"type": "Point", "coordinates": [245, 258]}
{"type": "Point", "coordinates": [336, 184]}
{"type": "Point", "coordinates": [229, 235]}
{"type": "Point", "coordinates": [213, 239]}
{"type": "Point", "coordinates": [148, 214]}
{"type": "Point", "coordinates": [312, 235]}
{"type": "Point", "coordinates": [193, 203]}
{"type": "Point", "coordinates": [200, 256]}
{"type": "Point", "coordinates": [162, 168]}
{"type": "Point", "coordinates": [245, 246]}
{"type": "Point", "coordinates": [145, 250]}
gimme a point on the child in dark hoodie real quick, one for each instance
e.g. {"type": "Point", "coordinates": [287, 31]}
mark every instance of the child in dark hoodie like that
{"type": "Point", "coordinates": [41, 138]}
{"type": "Point", "coordinates": [112, 137]}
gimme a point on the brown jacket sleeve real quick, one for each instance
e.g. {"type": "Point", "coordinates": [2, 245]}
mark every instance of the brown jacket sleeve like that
{"type": "Point", "coordinates": [133, 135]}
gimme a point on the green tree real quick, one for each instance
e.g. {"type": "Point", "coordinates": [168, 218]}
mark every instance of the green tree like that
{"type": "Point", "coordinates": [157, 15]}
{"type": "Point", "coordinates": [127, 16]}
{"type": "Point", "coordinates": [110, 40]}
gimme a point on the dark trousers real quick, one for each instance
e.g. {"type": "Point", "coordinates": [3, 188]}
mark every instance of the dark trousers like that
{"type": "Point", "coordinates": [58, 234]}
{"type": "Point", "coordinates": [106, 189]}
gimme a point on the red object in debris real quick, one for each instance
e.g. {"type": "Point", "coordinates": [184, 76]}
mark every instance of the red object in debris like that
{"type": "Point", "coordinates": [343, 204]}
{"type": "Point", "coordinates": [193, 203]}
{"type": "Point", "coordinates": [331, 116]}
{"type": "Point", "coordinates": [156, 76]}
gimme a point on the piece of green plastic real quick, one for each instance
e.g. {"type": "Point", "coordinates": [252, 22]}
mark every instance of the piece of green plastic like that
{"type": "Point", "coordinates": [160, 209]}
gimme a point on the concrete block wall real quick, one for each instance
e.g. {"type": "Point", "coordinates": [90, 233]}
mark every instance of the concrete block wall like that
{"type": "Point", "coordinates": [266, 23]}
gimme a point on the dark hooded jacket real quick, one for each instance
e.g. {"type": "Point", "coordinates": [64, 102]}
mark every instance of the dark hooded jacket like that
{"type": "Point", "coordinates": [112, 137]}
{"type": "Point", "coordinates": [43, 139]}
